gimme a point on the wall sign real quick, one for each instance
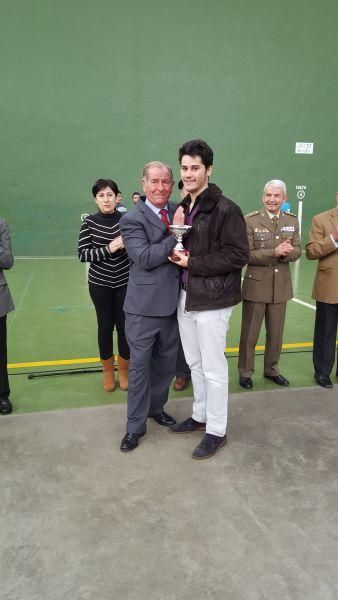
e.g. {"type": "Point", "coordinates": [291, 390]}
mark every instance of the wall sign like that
{"type": "Point", "coordinates": [301, 191]}
{"type": "Point", "coordinates": [304, 148]}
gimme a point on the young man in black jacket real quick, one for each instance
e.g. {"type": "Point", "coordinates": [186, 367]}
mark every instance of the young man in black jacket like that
{"type": "Point", "coordinates": [210, 287]}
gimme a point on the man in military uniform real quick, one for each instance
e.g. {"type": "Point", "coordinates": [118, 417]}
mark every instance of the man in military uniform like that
{"type": "Point", "coordinates": [273, 242]}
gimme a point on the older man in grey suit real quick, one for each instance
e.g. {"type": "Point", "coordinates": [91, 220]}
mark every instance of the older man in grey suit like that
{"type": "Point", "coordinates": [6, 306]}
{"type": "Point", "coordinates": [151, 302]}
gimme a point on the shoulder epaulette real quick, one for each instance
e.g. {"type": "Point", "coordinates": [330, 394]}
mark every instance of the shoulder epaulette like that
{"type": "Point", "coordinates": [289, 213]}
{"type": "Point", "coordinates": [255, 212]}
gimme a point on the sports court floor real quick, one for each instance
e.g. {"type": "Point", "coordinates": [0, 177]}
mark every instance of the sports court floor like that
{"type": "Point", "coordinates": [54, 329]}
{"type": "Point", "coordinates": [81, 520]}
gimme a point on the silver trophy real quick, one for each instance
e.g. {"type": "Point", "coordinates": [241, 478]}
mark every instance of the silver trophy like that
{"type": "Point", "coordinates": [179, 231]}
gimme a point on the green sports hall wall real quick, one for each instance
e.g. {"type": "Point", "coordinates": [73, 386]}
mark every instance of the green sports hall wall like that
{"type": "Point", "coordinates": [97, 88]}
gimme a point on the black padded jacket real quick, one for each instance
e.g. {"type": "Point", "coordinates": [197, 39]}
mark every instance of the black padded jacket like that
{"type": "Point", "coordinates": [219, 250]}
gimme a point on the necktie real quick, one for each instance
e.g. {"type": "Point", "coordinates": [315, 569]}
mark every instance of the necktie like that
{"type": "Point", "coordinates": [274, 222]}
{"type": "Point", "coordinates": [164, 217]}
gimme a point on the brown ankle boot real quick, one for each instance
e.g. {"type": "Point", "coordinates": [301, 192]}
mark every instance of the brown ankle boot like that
{"type": "Point", "coordinates": [108, 374]}
{"type": "Point", "coordinates": [123, 373]}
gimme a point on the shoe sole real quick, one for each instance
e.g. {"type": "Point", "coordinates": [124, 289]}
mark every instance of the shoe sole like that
{"type": "Point", "coordinates": [162, 424]}
{"type": "Point", "coordinates": [281, 384]}
{"type": "Point", "coordinates": [128, 449]}
{"type": "Point", "coordinates": [210, 455]}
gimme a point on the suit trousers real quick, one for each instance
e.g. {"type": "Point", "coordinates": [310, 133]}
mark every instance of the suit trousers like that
{"type": "Point", "coordinates": [4, 384]}
{"type": "Point", "coordinates": [324, 341]}
{"type": "Point", "coordinates": [153, 343]}
{"type": "Point", "coordinates": [252, 318]}
{"type": "Point", "coordinates": [203, 335]}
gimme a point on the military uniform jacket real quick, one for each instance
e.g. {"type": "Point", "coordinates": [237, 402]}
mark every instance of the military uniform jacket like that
{"type": "Point", "coordinates": [320, 246]}
{"type": "Point", "coordinates": [267, 277]}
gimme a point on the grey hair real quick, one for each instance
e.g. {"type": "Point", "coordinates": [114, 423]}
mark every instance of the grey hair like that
{"type": "Point", "coordinates": [156, 163]}
{"type": "Point", "coordinates": [276, 183]}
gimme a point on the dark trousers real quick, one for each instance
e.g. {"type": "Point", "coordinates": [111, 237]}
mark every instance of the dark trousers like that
{"type": "Point", "coordinates": [4, 384]}
{"type": "Point", "coordinates": [108, 304]}
{"type": "Point", "coordinates": [253, 314]}
{"type": "Point", "coordinates": [153, 349]}
{"type": "Point", "coordinates": [182, 369]}
{"type": "Point", "coordinates": [325, 335]}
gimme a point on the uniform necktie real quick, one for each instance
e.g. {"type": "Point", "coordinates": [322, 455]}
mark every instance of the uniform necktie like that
{"type": "Point", "coordinates": [274, 222]}
{"type": "Point", "coordinates": [164, 217]}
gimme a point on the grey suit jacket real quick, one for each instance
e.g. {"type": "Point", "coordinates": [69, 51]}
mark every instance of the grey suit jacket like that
{"type": "Point", "coordinates": [6, 262]}
{"type": "Point", "coordinates": [153, 286]}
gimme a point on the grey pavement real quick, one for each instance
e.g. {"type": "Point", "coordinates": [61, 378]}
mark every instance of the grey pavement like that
{"type": "Point", "coordinates": [79, 520]}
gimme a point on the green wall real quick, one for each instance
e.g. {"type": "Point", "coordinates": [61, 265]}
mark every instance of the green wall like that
{"type": "Point", "coordinates": [96, 89]}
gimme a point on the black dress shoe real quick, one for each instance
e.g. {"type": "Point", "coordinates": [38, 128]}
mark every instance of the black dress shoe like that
{"type": "Point", "coordinates": [5, 406]}
{"type": "Point", "coordinates": [324, 381]}
{"type": "Point", "coordinates": [188, 426]}
{"type": "Point", "coordinates": [246, 383]}
{"type": "Point", "coordinates": [163, 418]}
{"type": "Point", "coordinates": [279, 379]}
{"type": "Point", "coordinates": [208, 446]}
{"type": "Point", "coordinates": [130, 441]}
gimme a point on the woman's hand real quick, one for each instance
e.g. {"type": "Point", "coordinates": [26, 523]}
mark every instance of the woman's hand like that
{"type": "Point", "coordinates": [116, 244]}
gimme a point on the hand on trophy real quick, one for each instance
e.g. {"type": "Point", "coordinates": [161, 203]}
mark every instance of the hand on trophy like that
{"type": "Point", "coordinates": [179, 216]}
{"type": "Point", "coordinates": [179, 254]}
{"type": "Point", "coordinates": [179, 258]}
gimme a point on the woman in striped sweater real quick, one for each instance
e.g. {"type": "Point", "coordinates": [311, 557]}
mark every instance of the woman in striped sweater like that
{"type": "Point", "coordinates": [100, 243]}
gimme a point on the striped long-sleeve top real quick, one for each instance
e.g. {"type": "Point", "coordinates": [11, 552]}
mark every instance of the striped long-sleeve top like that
{"type": "Point", "coordinates": [106, 268]}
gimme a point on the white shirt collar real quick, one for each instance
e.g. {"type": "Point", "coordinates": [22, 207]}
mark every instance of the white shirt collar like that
{"type": "Point", "coordinates": [155, 209]}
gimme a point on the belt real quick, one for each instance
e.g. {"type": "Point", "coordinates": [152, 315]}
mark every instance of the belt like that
{"type": "Point", "coordinates": [184, 286]}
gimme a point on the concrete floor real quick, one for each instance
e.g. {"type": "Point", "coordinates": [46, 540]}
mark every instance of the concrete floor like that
{"type": "Point", "coordinates": [259, 521]}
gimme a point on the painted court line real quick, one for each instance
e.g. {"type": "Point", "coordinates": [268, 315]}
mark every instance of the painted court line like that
{"type": "Point", "coordinates": [46, 257]}
{"type": "Point", "coordinates": [81, 361]}
{"type": "Point", "coordinates": [23, 296]}
{"type": "Point", "coordinates": [54, 363]}
{"type": "Point", "coordinates": [304, 303]}
{"type": "Point", "coordinates": [95, 360]}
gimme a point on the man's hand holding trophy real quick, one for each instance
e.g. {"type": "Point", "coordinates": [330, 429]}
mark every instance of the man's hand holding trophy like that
{"type": "Point", "coordinates": [179, 254]}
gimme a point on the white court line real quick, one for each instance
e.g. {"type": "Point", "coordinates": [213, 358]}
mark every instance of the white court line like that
{"type": "Point", "coordinates": [45, 257]}
{"type": "Point", "coordinates": [304, 303]}
{"type": "Point", "coordinates": [23, 296]}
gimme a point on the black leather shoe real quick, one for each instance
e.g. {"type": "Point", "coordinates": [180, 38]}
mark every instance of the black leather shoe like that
{"type": "Point", "coordinates": [188, 426]}
{"type": "Point", "coordinates": [246, 383]}
{"type": "Point", "coordinates": [324, 381]}
{"type": "Point", "coordinates": [130, 441]}
{"type": "Point", "coordinates": [208, 446]}
{"type": "Point", "coordinates": [164, 419]}
{"type": "Point", "coordinates": [279, 379]}
{"type": "Point", "coordinates": [5, 406]}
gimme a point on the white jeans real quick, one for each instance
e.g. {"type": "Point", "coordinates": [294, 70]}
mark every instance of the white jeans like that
{"type": "Point", "coordinates": [203, 335]}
